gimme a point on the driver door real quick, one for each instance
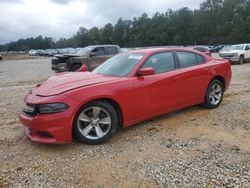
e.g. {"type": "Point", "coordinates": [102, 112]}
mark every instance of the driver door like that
{"type": "Point", "coordinates": [97, 57]}
{"type": "Point", "coordinates": [247, 52]}
{"type": "Point", "coordinates": [159, 93]}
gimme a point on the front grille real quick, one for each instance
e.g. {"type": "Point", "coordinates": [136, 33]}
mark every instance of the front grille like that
{"type": "Point", "coordinates": [30, 110]}
{"type": "Point", "coordinates": [227, 55]}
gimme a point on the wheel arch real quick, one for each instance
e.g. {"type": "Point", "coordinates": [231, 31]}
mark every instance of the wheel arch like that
{"type": "Point", "coordinates": [114, 104]}
{"type": "Point", "coordinates": [221, 79]}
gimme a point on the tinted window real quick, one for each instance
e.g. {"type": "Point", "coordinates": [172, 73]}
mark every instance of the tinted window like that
{"type": "Point", "coordinates": [247, 48]}
{"type": "Point", "coordinates": [200, 59]}
{"type": "Point", "coordinates": [120, 65]}
{"type": "Point", "coordinates": [161, 62]}
{"type": "Point", "coordinates": [99, 51]}
{"type": "Point", "coordinates": [110, 50]}
{"type": "Point", "coordinates": [186, 59]}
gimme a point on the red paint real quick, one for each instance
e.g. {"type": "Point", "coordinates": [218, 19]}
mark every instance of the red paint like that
{"type": "Point", "coordinates": [139, 97]}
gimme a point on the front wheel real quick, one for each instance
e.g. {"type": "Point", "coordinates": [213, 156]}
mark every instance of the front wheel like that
{"type": "Point", "coordinates": [214, 94]}
{"type": "Point", "coordinates": [95, 123]}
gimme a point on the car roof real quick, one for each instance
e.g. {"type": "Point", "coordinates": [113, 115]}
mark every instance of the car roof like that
{"type": "Point", "coordinates": [155, 50]}
{"type": "Point", "coordinates": [241, 44]}
{"type": "Point", "coordinates": [104, 45]}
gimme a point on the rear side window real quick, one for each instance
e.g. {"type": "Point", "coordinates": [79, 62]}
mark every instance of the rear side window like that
{"type": "Point", "coordinates": [162, 62]}
{"type": "Point", "coordinates": [111, 50]}
{"type": "Point", "coordinates": [186, 59]}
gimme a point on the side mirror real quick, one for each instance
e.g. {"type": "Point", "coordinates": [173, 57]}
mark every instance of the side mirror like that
{"type": "Point", "coordinates": [92, 54]}
{"type": "Point", "coordinates": [146, 71]}
{"type": "Point", "coordinates": [83, 68]}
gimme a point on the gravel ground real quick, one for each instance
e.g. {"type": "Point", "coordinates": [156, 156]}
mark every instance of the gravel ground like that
{"type": "Point", "coordinates": [194, 147]}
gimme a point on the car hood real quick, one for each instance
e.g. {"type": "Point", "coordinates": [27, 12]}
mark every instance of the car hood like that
{"type": "Point", "coordinates": [64, 82]}
{"type": "Point", "coordinates": [230, 51]}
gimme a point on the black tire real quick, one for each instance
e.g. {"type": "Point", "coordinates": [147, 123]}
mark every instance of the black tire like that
{"type": "Point", "coordinates": [241, 60]}
{"type": "Point", "coordinates": [212, 103]}
{"type": "Point", "coordinates": [79, 126]}
{"type": "Point", "coordinates": [75, 67]}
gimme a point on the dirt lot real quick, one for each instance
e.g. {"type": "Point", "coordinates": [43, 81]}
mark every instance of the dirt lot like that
{"type": "Point", "coordinates": [194, 147]}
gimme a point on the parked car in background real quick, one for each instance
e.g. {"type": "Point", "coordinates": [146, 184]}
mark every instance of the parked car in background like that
{"type": "Point", "coordinates": [91, 57]}
{"type": "Point", "coordinates": [32, 53]}
{"type": "Point", "coordinates": [203, 49]}
{"type": "Point", "coordinates": [1, 57]}
{"type": "Point", "coordinates": [128, 88]}
{"type": "Point", "coordinates": [239, 53]}
{"type": "Point", "coordinates": [78, 49]}
{"type": "Point", "coordinates": [40, 52]}
{"type": "Point", "coordinates": [216, 49]}
{"type": "Point", "coordinates": [71, 51]}
{"type": "Point", "coordinates": [62, 51]}
{"type": "Point", "coordinates": [50, 52]}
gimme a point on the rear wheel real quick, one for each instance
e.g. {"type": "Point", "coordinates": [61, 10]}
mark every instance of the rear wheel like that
{"type": "Point", "coordinates": [214, 94]}
{"type": "Point", "coordinates": [242, 60]}
{"type": "Point", "coordinates": [95, 123]}
{"type": "Point", "coordinates": [74, 68]}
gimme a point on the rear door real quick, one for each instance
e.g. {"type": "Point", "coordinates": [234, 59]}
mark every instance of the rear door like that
{"type": "Point", "coordinates": [194, 78]}
{"type": "Point", "coordinates": [158, 93]}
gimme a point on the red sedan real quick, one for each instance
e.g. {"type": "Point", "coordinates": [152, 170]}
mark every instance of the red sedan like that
{"type": "Point", "coordinates": [126, 89]}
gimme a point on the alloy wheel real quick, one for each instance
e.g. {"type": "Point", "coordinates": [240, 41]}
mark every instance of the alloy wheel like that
{"type": "Point", "coordinates": [215, 94]}
{"type": "Point", "coordinates": [94, 123]}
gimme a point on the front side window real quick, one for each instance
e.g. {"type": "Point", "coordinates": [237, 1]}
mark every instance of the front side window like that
{"type": "Point", "coordinates": [99, 51]}
{"type": "Point", "coordinates": [186, 59]}
{"type": "Point", "coordinates": [162, 62]}
{"type": "Point", "coordinates": [247, 48]}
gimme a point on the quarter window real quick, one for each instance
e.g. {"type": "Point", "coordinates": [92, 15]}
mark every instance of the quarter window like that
{"type": "Point", "coordinates": [200, 59]}
{"type": "Point", "coordinates": [186, 59]}
{"type": "Point", "coordinates": [162, 62]}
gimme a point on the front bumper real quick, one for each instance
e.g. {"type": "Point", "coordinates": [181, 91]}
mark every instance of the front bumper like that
{"type": "Point", "coordinates": [47, 129]}
{"type": "Point", "coordinates": [53, 128]}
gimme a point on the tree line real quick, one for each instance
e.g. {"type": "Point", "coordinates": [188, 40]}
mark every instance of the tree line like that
{"type": "Point", "coordinates": [215, 22]}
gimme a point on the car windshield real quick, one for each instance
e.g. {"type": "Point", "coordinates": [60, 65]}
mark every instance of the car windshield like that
{"type": "Point", "coordinates": [225, 48]}
{"type": "Point", "coordinates": [237, 47]}
{"type": "Point", "coordinates": [120, 65]}
{"type": "Point", "coordinates": [84, 51]}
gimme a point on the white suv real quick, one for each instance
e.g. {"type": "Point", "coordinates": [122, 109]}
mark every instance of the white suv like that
{"type": "Point", "coordinates": [237, 53]}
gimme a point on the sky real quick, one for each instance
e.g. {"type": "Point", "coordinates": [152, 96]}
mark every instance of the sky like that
{"type": "Point", "coordinates": [62, 18]}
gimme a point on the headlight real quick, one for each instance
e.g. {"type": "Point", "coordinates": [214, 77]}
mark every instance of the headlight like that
{"type": "Point", "coordinates": [52, 108]}
{"type": "Point", "coordinates": [236, 55]}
